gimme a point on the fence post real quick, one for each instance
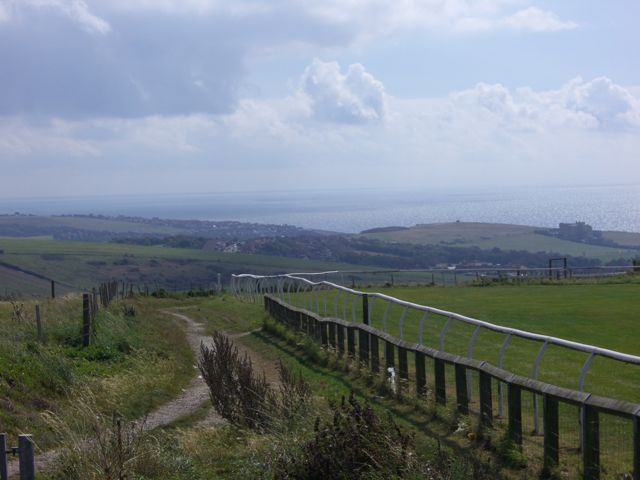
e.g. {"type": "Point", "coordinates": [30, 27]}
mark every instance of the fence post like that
{"type": "Point", "coordinates": [636, 447]}
{"type": "Point", "coordinates": [324, 340]}
{"type": "Point", "coordinates": [363, 346]}
{"type": "Point", "coordinates": [551, 433]}
{"type": "Point", "coordinates": [27, 462]}
{"type": "Point", "coordinates": [86, 320]}
{"type": "Point", "coordinates": [332, 334]}
{"type": "Point", "coordinates": [375, 355]}
{"type": "Point", "coordinates": [421, 377]}
{"type": "Point", "coordinates": [389, 360]}
{"type": "Point", "coordinates": [365, 309]}
{"type": "Point", "coordinates": [341, 329]}
{"type": "Point", "coordinates": [53, 289]}
{"type": "Point", "coordinates": [39, 332]}
{"type": "Point", "coordinates": [486, 400]}
{"type": "Point", "coordinates": [514, 399]}
{"type": "Point", "coordinates": [403, 363]}
{"type": "Point", "coordinates": [351, 341]}
{"type": "Point", "coordinates": [462, 394]}
{"type": "Point", "coordinates": [591, 438]}
{"type": "Point", "coordinates": [439, 378]}
{"type": "Point", "coordinates": [4, 470]}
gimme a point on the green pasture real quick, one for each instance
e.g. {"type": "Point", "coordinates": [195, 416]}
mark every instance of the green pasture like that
{"type": "Point", "coordinates": [83, 264]}
{"type": "Point", "coordinates": [604, 315]}
{"type": "Point", "coordinates": [507, 237]}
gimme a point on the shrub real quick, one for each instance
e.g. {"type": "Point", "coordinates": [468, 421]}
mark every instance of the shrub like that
{"type": "Point", "coordinates": [356, 443]}
{"type": "Point", "coordinates": [238, 394]}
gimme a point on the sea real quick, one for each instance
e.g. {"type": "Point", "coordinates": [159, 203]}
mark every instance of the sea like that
{"type": "Point", "coordinates": [605, 207]}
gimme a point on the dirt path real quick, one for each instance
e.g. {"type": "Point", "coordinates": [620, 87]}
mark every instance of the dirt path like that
{"type": "Point", "coordinates": [186, 403]}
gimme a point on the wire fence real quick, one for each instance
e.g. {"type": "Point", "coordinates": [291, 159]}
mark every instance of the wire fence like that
{"type": "Point", "coordinates": [535, 383]}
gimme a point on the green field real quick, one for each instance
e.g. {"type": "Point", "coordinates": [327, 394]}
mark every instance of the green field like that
{"type": "Point", "coordinates": [599, 314]}
{"type": "Point", "coordinates": [79, 265]}
{"type": "Point", "coordinates": [87, 223]}
{"type": "Point", "coordinates": [507, 237]}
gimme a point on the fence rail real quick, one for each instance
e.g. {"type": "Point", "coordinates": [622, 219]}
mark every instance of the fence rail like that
{"type": "Point", "coordinates": [364, 341]}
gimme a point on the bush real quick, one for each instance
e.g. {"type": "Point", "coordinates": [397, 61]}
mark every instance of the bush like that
{"type": "Point", "coordinates": [355, 444]}
{"type": "Point", "coordinates": [238, 394]}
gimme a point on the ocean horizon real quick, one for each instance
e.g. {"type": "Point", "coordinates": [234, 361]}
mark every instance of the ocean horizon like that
{"type": "Point", "coordinates": [610, 207]}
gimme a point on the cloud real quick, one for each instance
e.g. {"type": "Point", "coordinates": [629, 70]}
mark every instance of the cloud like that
{"type": "Point", "coordinates": [536, 20]}
{"type": "Point", "coordinates": [598, 104]}
{"type": "Point", "coordinates": [76, 10]}
{"type": "Point", "coordinates": [353, 97]}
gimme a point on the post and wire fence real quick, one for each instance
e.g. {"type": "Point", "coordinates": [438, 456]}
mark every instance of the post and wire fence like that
{"type": "Point", "coordinates": [556, 400]}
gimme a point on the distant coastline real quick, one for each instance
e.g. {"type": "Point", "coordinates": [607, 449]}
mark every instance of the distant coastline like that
{"type": "Point", "coordinates": [605, 207]}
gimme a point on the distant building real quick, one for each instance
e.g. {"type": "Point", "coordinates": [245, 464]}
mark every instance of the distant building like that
{"type": "Point", "coordinates": [578, 232]}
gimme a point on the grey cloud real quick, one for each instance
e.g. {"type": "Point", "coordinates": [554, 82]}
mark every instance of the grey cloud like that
{"type": "Point", "coordinates": [149, 63]}
{"type": "Point", "coordinates": [353, 97]}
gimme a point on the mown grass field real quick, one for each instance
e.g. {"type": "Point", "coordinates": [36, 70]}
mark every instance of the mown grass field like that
{"type": "Point", "coordinates": [601, 314]}
{"type": "Point", "coordinates": [507, 237]}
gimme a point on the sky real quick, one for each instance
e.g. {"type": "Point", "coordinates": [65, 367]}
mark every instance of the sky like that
{"type": "Point", "coordinates": [101, 97]}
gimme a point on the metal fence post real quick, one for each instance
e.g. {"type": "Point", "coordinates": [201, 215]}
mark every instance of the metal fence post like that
{"type": "Point", "coordinates": [26, 459]}
{"type": "Point", "coordinates": [39, 332]}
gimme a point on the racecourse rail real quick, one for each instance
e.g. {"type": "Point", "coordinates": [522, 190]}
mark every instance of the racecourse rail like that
{"type": "Point", "coordinates": [282, 291]}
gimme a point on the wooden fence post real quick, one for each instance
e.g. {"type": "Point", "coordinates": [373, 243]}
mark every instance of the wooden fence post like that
{"type": "Point", "coordinates": [486, 400]}
{"type": "Point", "coordinates": [363, 346]}
{"type": "Point", "coordinates": [421, 376]}
{"type": "Point", "coordinates": [591, 439]}
{"type": "Point", "coordinates": [462, 394]}
{"type": "Point", "coordinates": [324, 337]}
{"type": "Point", "coordinates": [341, 329]}
{"type": "Point", "coordinates": [365, 309]}
{"type": "Point", "coordinates": [53, 289]}
{"type": "Point", "coordinates": [514, 399]}
{"type": "Point", "coordinates": [4, 468]}
{"type": "Point", "coordinates": [374, 351]}
{"type": "Point", "coordinates": [26, 459]}
{"type": "Point", "coordinates": [439, 378]}
{"type": "Point", "coordinates": [551, 425]}
{"type": "Point", "coordinates": [636, 447]}
{"type": "Point", "coordinates": [39, 331]}
{"type": "Point", "coordinates": [403, 363]}
{"type": "Point", "coordinates": [389, 360]}
{"type": "Point", "coordinates": [86, 320]}
{"type": "Point", "coordinates": [351, 341]}
{"type": "Point", "coordinates": [332, 334]}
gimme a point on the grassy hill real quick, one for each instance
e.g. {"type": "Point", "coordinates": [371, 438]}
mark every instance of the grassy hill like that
{"type": "Point", "coordinates": [506, 237]}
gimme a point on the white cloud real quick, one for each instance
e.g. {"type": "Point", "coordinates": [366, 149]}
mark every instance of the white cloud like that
{"type": "Point", "coordinates": [537, 20]}
{"type": "Point", "coordinates": [596, 104]}
{"type": "Point", "coordinates": [353, 97]}
{"type": "Point", "coordinates": [76, 10]}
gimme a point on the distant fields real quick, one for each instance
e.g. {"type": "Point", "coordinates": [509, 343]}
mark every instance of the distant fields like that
{"type": "Point", "coordinates": [507, 237]}
{"type": "Point", "coordinates": [82, 265]}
